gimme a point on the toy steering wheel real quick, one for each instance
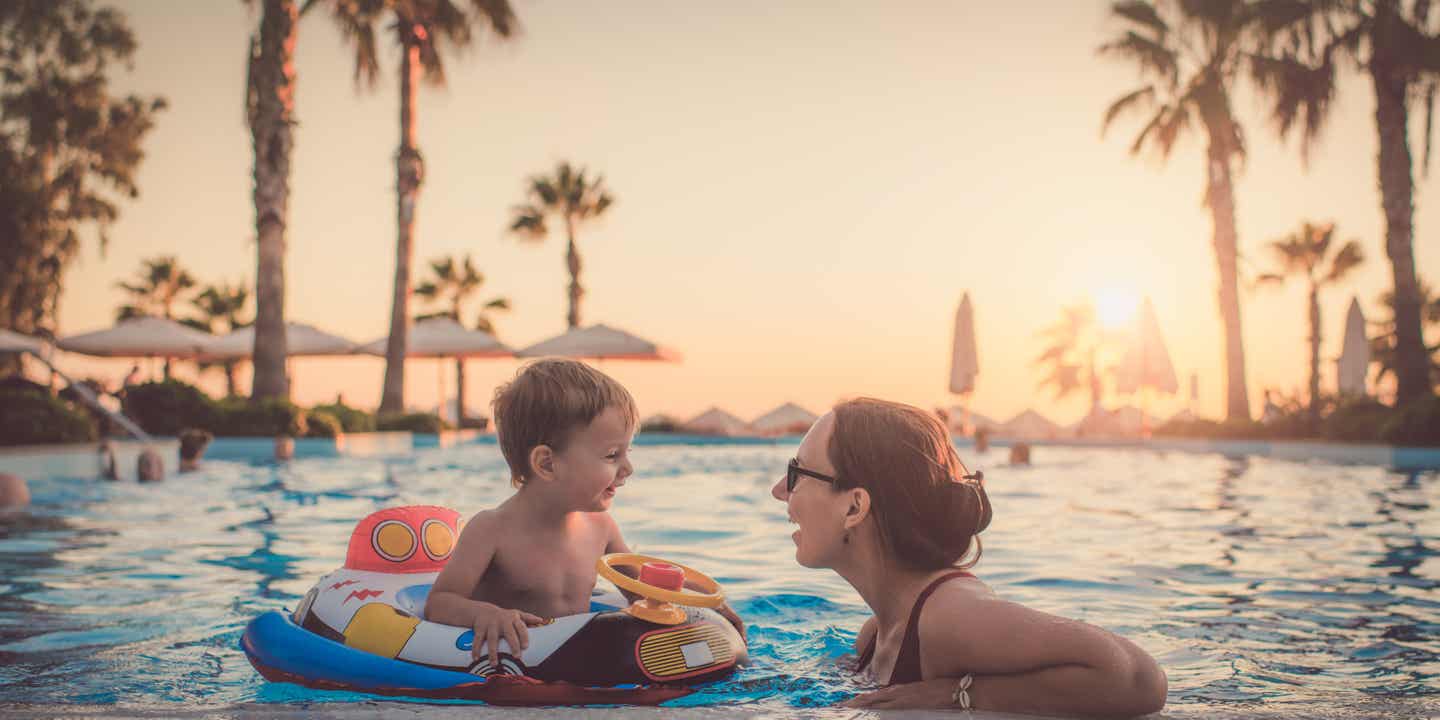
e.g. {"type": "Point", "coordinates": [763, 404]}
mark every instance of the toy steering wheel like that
{"type": "Point", "coordinates": [709, 595]}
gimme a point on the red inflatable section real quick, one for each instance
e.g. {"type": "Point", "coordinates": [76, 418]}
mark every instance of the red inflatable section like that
{"type": "Point", "coordinates": [411, 539]}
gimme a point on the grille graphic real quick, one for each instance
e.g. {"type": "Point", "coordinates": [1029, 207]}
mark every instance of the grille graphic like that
{"type": "Point", "coordinates": [662, 653]}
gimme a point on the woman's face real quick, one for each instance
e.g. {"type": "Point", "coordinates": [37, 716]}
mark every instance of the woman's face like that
{"type": "Point", "coordinates": [814, 505]}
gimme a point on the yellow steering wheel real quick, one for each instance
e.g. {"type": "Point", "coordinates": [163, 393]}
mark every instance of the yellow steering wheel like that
{"type": "Point", "coordinates": [707, 596]}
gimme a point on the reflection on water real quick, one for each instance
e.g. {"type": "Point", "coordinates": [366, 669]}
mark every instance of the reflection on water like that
{"type": "Point", "coordinates": [1258, 583]}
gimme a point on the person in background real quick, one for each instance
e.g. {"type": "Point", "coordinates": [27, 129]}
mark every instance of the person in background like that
{"type": "Point", "coordinates": [108, 469]}
{"type": "Point", "coordinates": [149, 468]}
{"type": "Point", "coordinates": [982, 440]}
{"type": "Point", "coordinates": [192, 447]}
{"type": "Point", "coordinates": [14, 493]}
{"type": "Point", "coordinates": [133, 378]}
{"type": "Point", "coordinates": [284, 448]}
{"type": "Point", "coordinates": [1020, 454]}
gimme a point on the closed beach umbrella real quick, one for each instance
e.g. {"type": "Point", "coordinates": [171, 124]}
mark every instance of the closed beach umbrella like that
{"type": "Point", "coordinates": [442, 337]}
{"type": "Point", "coordinates": [600, 342]}
{"type": "Point", "coordinates": [964, 362]}
{"type": "Point", "coordinates": [1354, 354]}
{"type": "Point", "coordinates": [140, 337]}
{"type": "Point", "coordinates": [1146, 363]}
{"type": "Point", "coordinates": [300, 340]}
{"type": "Point", "coordinates": [13, 342]}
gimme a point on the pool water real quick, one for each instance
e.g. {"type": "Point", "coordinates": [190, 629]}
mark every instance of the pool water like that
{"type": "Point", "coordinates": [1260, 585]}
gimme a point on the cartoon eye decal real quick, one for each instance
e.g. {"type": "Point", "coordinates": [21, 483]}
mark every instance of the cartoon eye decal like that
{"type": "Point", "coordinates": [438, 539]}
{"type": "Point", "coordinates": [393, 540]}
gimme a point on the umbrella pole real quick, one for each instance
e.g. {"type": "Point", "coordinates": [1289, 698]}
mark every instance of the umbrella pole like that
{"type": "Point", "coordinates": [440, 380]}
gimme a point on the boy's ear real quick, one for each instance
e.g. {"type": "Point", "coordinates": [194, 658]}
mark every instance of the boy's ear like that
{"type": "Point", "coordinates": [858, 507]}
{"type": "Point", "coordinates": [542, 462]}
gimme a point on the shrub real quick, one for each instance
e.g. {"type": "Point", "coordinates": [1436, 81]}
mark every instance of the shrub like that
{"type": "Point", "coordinates": [28, 417]}
{"type": "Point", "coordinates": [660, 424]}
{"type": "Point", "coordinates": [474, 423]}
{"type": "Point", "coordinates": [166, 408]}
{"type": "Point", "coordinates": [1416, 424]}
{"type": "Point", "coordinates": [1356, 420]}
{"type": "Point", "coordinates": [425, 423]}
{"type": "Point", "coordinates": [351, 419]}
{"type": "Point", "coordinates": [263, 418]}
{"type": "Point", "coordinates": [321, 424]}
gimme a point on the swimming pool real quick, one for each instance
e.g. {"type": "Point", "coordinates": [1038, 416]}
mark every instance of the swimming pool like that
{"type": "Point", "coordinates": [1261, 585]}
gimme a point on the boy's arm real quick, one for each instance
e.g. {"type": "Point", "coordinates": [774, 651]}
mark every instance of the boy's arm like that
{"type": "Point", "coordinates": [449, 602]}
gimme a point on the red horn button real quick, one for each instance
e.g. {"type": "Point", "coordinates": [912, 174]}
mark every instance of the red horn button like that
{"type": "Point", "coordinates": [662, 575]}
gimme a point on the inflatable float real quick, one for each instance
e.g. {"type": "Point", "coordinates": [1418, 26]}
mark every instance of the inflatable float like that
{"type": "Point", "coordinates": [362, 628]}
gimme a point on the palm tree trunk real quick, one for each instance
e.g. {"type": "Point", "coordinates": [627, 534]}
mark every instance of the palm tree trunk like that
{"type": "Point", "coordinates": [1220, 198]}
{"type": "Point", "coordinates": [272, 109]}
{"type": "Point", "coordinates": [1314, 356]}
{"type": "Point", "coordinates": [1397, 199]}
{"type": "Point", "coordinates": [572, 261]}
{"type": "Point", "coordinates": [459, 392]}
{"type": "Point", "coordinates": [409, 170]}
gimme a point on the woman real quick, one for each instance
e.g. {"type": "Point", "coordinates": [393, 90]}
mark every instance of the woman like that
{"type": "Point", "coordinates": [882, 498]}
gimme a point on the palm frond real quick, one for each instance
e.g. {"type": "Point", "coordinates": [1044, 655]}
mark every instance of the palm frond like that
{"type": "Point", "coordinates": [427, 290]}
{"type": "Point", "coordinates": [1143, 97]}
{"type": "Point", "coordinates": [499, 15]}
{"type": "Point", "coordinates": [529, 223]}
{"type": "Point", "coordinates": [1153, 58]}
{"type": "Point", "coordinates": [1298, 93]}
{"type": "Point", "coordinates": [1141, 13]}
{"type": "Point", "coordinates": [1348, 258]}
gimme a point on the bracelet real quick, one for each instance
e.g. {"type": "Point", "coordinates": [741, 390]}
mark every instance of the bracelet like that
{"type": "Point", "coordinates": [961, 696]}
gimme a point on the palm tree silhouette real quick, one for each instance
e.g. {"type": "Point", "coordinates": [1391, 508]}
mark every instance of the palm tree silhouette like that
{"type": "Point", "coordinates": [155, 290]}
{"type": "Point", "coordinates": [1073, 343]}
{"type": "Point", "coordinates": [573, 198]}
{"type": "Point", "coordinates": [453, 283]}
{"type": "Point", "coordinates": [1393, 42]}
{"type": "Point", "coordinates": [1190, 55]}
{"type": "Point", "coordinates": [1306, 253]}
{"type": "Point", "coordinates": [220, 309]}
{"type": "Point", "coordinates": [423, 29]}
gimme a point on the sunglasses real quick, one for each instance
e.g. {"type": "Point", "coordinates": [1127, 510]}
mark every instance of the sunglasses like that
{"type": "Point", "coordinates": [793, 472]}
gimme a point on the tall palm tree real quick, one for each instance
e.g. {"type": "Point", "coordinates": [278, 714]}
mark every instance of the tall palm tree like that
{"type": "Point", "coordinates": [220, 310]}
{"type": "Point", "coordinates": [1306, 253]}
{"type": "Point", "coordinates": [573, 198]}
{"type": "Point", "coordinates": [155, 290]}
{"type": "Point", "coordinates": [422, 28]}
{"type": "Point", "coordinates": [453, 284]}
{"type": "Point", "coordinates": [270, 114]}
{"type": "Point", "coordinates": [1073, 343]}
{"type": "Point", "coordinates": [1397, 44]}
{"type": "Point", "coordinates": [1382, 345]}
{"type": "Point", "coordinates": [1190, 54]}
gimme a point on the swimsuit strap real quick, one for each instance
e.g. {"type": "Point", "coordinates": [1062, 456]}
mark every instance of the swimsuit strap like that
{"type": "Point", "coordinates": [907, 664]}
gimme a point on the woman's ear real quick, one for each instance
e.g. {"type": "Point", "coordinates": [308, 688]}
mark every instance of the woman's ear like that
{"type": "Point", "coordinates": [857, 507]}
{"type": "Point", "coordinates": [542, 462]}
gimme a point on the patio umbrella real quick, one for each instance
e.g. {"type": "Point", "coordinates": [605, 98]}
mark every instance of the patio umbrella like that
{"type": "Point", "coordinates": [964, 361]}
{"type": "Point", "coordinates": [600, 342]}
{"type": "Point", "coordinates": [788, 419]}
{"type": "Point", "coordinates": [440, 338]}
{"type": "Point", "coordinates": [716, 422]}
{"type": "Point", "coordinates": [13, 342]}
{"type": "Point", "coordinates": [1354, 354]}
{"type": "Point", "coordinates": [300, 340]}
{"type": "Point", "coordinates": [140, 337]}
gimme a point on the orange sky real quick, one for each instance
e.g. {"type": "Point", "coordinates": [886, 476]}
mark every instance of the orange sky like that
{"type": "Point", "coordinates": [804, 191]}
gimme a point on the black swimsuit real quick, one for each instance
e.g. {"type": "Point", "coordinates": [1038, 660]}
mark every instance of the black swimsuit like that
{"type": "Point", "coordinates": [907, 663]}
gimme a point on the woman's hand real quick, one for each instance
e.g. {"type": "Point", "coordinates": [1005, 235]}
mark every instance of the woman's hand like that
{"type": "Point", "coordinates": [937, 693]}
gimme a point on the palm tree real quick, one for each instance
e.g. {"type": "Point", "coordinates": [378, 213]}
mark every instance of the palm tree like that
{"type": "Point", "coordinates": [574, 199]}
{"type": "Point", "coordinates": [1189, 55]}
{"type": "Point", "coordinates": [220, 309]}
{"type": "Point", "coordinates": [452, 284]}
{"type": "Point", "coordinates": [1382, 345]}
{"type": "Point", "coordinates": [155, 290]}
{"type": "Point", "coordinates": [1073, 343]}
{"type": "Point", "coordinates": [270, 114]}
{"type": "Point", "coordinates": [422, 28]}
{"type": "Point", "coordinates": [1395, 43]}
{"type": "Point", "coordinates": [1306, 253]}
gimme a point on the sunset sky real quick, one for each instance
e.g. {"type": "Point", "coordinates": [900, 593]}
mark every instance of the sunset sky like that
{"type": "Point", "coordinates": [804, 190]}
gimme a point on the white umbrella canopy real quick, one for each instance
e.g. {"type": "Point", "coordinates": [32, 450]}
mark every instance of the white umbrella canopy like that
{"type": "Point", "coordinates": [1029, 424]}
{"type": "Point", "coordinates": [140, 337]}
{"type": "Point", "coordinates": [716, 422]}
{"type": "Point", "coordinates": [1147, 363]}
{"type": "Point", "coordinates": [964, 361]}
{"type": "Point", "coordinates": [600, 342]}
{"type": "Point", "coordinates": [15, 342]}
{"type": "Point", "coordinates": [1354, 354]}
{"type": "Point", "coordinates": [786, 419]}
{"type": "Point", "coordinates": [442, 337]}
{"type": "Point", "coordinates": [300, 340]}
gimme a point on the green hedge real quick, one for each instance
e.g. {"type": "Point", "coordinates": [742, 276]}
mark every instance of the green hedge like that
{"type": "Point", "coordinates": [1417, 424]}
{"type": "Point", "coordinates": [29, 417]}
{"type": "Point", "coordinates": [166, 408]}
{"type": "Point", "coordinates": [427, 423]}
{"type": "Point", "coordinates": [351, 419]}
{"type": "Point", "coordinates": [321, 424]}
{"type": "Point", "coordinates": [241, 417]}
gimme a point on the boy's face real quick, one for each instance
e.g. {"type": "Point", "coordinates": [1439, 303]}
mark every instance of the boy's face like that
{"type": "Point", "coordinates": [596, 461]}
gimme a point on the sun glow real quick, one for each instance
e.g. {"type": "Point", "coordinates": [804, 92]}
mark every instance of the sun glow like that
{"type": "Point", "coordinates": [1115, 307]}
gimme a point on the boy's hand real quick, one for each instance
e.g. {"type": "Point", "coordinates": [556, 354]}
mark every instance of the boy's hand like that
{"type": "Point", "coordinates": [729, 613]}
{"type": "Point", "coordinates": [492, 623]}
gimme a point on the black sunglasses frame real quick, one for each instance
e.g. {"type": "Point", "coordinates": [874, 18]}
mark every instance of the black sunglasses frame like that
{"type": "Point", "coordinates": [793, 472]}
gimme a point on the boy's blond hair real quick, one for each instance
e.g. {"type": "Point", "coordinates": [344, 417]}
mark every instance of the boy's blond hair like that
{"type": "Point", "coordinates": [546, 402]}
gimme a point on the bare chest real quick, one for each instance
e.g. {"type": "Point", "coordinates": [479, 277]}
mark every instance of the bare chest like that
{"type": "Point", "coordinates": [548, 577]}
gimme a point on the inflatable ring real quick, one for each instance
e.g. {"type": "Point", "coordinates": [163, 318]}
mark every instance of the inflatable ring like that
{"type": "Point", "coordinates": [709, 597]}
{"type": "Point", "coordinates": [363, 628]}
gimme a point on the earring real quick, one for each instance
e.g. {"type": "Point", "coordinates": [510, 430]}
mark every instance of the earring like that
{"type": "Point", "coordinates": [845, 539]}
